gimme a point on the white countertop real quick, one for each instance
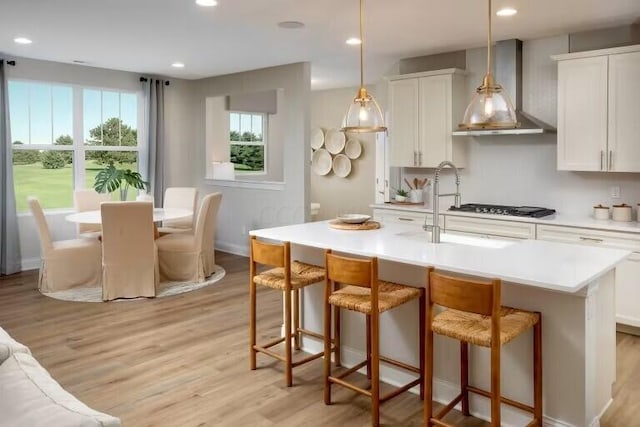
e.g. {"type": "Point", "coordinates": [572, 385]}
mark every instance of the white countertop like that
{"type": "Point", "coordinates": [557, 219]}
{"type": "Point", "coordinates": [547, 265]}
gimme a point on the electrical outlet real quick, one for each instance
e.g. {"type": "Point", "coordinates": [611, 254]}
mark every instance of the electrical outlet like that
{"type": "Point", "coordinates": [615, 192]}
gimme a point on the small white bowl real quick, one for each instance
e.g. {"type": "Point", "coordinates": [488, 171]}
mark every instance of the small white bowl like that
{"type": "Point", "coordinates": [400, 198]}
{"type": "Point", "coordinates": [353, 218]}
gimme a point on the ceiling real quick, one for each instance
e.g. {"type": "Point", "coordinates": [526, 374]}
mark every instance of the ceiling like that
{"type": "Point", "coordinates": [146, 36]}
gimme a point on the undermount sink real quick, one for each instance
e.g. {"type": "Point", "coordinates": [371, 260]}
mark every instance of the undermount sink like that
{"type": "Point", "coordinates": [458, 239]}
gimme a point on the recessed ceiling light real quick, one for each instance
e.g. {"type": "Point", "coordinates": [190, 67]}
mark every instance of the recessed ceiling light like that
{"type": "Point", "coordinates": [506, 11]}
{"type": "Point", "coordinates": [354, 41]}
{"type": "Point", "coordinates": [291, 25]}
{"type": "Point", "coordinates": [177, 65]}
{"type": "Point", "coordinates": [206, 3]}
{"type": "Point", "coordinates": [22, 40]}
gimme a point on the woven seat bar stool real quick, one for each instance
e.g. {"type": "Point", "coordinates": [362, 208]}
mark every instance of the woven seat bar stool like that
{"type": "Point", "coordinates": [288, 277]}
{"type": "Point", "coordinates": [473, 314]}
{"type": "Point", "coordinates": [363, 292]}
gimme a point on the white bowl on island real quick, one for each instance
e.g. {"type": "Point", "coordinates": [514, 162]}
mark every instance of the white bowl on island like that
{"type": "Point", "coordinates": [353, 218]}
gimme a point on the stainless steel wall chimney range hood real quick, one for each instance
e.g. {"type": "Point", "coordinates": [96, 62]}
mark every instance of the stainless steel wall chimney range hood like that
{"type": "Point", "coordinates": [508, 55]}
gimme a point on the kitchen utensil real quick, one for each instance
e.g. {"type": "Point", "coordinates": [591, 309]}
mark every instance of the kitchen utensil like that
{"type": "Point", "coordinates": [321, 162]}
{"type": "Point", "coordinates": [353, 149]}
{"type": "Point", "coordinates": [353, 218]}
{"type": "Point", "coordinates": [317, 138]}
{"type": "Point", "coordinates": [621, 213]}
{"type": "Point", "coordinates": [334, 141]}
{"type": "Point", "coordinates": [341, 166]}
{"type": "Point", "coordinates": [408, 183]}
{"type": "Point", "coordinates": [601, 212]}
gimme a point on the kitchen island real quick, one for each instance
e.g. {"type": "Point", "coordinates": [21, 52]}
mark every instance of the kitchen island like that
{"type": "Point", "coordinates": [572, 286]}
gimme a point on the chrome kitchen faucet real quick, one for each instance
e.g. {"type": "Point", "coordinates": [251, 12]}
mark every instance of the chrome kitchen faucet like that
{"type": "Point", "coordinates": [435, 228]}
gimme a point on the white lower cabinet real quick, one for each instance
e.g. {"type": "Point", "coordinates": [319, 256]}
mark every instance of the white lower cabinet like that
{"type": "Point", "coordinates": [404, 217]}
{"type": "Point", "coordinates": [627, 272]}
{"type": "Point", "coordinates": [499, 229]}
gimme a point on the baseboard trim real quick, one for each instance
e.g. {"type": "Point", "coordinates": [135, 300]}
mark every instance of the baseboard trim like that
{"type": "Point", "coordinates": [443, 391]}
{"type": "Point", "coordinates": [31, 264]}
{"type": "Point", "coordinates": [232, 248]}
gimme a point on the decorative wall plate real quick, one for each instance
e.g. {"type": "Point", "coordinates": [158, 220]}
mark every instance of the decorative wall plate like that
{"type": "Point", "coordinates": [353, 149]}
{"type": "Point", "coordinates": [317, 138]}
{"type": "Point", "coordinates": [334, 141]}
{"type": "Point", "coordinates": [321, 162]}
{"type": "Point", "coordinates": [341, 166]}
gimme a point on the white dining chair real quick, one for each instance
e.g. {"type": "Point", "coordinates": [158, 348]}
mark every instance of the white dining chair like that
{"type": "Point", "coordinates": [65, 264]}
{"type": "Point", "coordinates": [179, 198]}
{"type": "Point", "coordinates": [89, 200]}
{"type": "Point", "coordinates": [129, 253]}
{"type": "Point", "coordinates": [191, 257]}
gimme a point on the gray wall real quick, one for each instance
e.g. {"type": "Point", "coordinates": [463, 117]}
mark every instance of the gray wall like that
{"type": "Point", "coordinates": [521, 170]}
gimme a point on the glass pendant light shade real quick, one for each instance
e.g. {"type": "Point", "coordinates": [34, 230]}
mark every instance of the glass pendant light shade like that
{"type": "Point", "coordinates": [490, 108]}
{"type": "Point", "coordinates": [364, 114]}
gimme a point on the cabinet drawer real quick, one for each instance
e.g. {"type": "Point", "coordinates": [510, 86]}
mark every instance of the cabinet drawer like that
{"type": "Point", "coordinates": [587, 236]}
{"type": "Point", "coordinates": [491, 227]}
{"type": "Point", "coordinates": [404, 217]}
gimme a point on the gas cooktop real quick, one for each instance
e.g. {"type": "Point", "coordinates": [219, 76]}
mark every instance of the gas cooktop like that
{"type": "Point", "coordinates": [523, 211]}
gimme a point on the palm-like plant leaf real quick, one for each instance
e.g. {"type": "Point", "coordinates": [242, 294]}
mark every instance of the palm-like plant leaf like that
{"type": "Point", "coordinates": [110, 179]}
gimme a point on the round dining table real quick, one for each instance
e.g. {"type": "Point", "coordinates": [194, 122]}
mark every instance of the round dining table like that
{"type": "Point", "coordinates": [159, 214]}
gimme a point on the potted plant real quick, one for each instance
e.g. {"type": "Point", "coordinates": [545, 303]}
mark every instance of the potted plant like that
{"type": "Point", "coordinates": [401, 195]}
{"type": "Point", "coordinates": [111, 179]}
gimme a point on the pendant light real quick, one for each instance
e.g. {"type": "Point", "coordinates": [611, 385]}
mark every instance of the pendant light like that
{"type": "Point", "coordinates": [364, 113]}
{"type": "Point", "coordinates": [491, 107]}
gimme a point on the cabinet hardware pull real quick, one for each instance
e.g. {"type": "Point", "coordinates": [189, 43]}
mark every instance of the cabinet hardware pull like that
{"type": "Point", "coordinates": [590, 239]}
{"type": "Point", "coordinates": [405, 219]}
{"type": "Point", "coordinates": [610, 160]}
{"type": "Point", "coordinates": [415, 157]}
{"type": "Point", "coordinates": [601, 160]}
{"type": "Point", "coordinates": [420, 158]}
{"type": "Point", "coordinates": [633, 259]}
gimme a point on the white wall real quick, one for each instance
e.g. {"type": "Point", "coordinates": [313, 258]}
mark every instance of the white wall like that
{"type": "Point", "coordinates": [180, 135]}
{"type": "Point", "coordinates": [243, 208]}
{"type": "Point", "coordinates": [521, 170]}
{"type": "Point", "coordinates": [354, 193]}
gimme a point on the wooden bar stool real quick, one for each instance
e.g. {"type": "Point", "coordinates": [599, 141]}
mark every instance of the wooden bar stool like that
{"type": "Point", "coordinates": [364, 293]}
{"type": "Point", "coordinates": [474, 315]}
{"type": "Point", "coordinates": [288, 277]}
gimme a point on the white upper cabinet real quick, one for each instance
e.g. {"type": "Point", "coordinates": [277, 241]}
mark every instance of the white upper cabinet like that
{"type": "Point", "coordinates": [424, 109]}
{"type": "Point", "coordinates": [598, 105]}
{"type": "Point", "coordinates": [624, 112]}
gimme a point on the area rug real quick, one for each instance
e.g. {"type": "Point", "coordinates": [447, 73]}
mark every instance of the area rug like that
{"type": "Point", "coordinates": [166, 289]}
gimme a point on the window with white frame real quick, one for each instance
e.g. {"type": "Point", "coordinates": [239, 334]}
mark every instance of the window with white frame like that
{"type": "Point", "coordinates": [63, 135]}
{"type": "Point", "coordinates": [247, 142]}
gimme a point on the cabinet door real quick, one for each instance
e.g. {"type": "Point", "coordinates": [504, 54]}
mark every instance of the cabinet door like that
{"type": "Point", "coordinates": [628, 291]}
{"type": "Point", "coordinates": [403, 126]}
{"type": "Point", "coordinates": [435, 121]}
{"type": "Point", "coordinates": [624, 112]}
{"type": "Point", "coordinates": [582, 114]}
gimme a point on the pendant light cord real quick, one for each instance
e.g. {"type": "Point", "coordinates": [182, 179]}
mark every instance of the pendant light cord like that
{"type": "Point", "coordinates": [489, 41]}
{"type": "Point", "coordinates": [361, 45]}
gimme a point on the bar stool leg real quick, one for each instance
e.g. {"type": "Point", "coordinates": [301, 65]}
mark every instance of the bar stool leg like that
{"type": "Point", "coordinates": [495, 383]}
{"type": "Point", "coordinates": [537, 371]}
{"type": "Point", "coordinates": [428, 377]}
{"type": "Point", "coordinates": [327, 351]}
{"type": "Point", "coordinates": [296, 319]}
{"type": "Point", "coordinates": [252, 325]}
{"type": "Point", "coordinates": [421, 316]}
{"type": "Point", "coordinates": [287, 339]}
{"type": "Point", "coordinates": [464, 377]}
{"type": "Point", "coordinates": [368, 320]}
{"type": "Point", "coordinates": [337, 340]}
{"type": "Point", "coordinates": [375, 369]}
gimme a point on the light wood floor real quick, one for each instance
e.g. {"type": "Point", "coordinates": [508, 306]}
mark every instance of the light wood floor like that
{"type": "Point", "coordinates": [183, 360]}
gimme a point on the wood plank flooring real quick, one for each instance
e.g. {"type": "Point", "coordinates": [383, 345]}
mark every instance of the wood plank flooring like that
{"type": "Point", "coordinates": [183, 360]}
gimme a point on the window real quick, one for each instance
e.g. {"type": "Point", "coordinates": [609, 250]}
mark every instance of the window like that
{"type": "Point", "coordinates": [247, 137]}
{"type": "Point", "coordinates": [51, 154]}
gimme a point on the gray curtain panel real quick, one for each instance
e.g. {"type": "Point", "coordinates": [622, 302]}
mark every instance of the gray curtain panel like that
{"type": "Point", "coordinates": [154, 94]}
{"type": "Point", "coordinates": [9, 239]}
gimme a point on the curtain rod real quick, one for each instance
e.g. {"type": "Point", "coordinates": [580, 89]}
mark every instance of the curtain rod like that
{"type": "Point", "coordinates": [144, 79]}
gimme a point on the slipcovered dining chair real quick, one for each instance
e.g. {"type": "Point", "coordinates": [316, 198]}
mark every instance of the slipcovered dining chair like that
{"type": "Point", "coordinates": [89, 200]}
{"type": "Point", "coordinates": [179, 198]}
{"type": "Point", "coordinates": [129, 267]}
{"type": "Point", "coordinates": [65, 264]}
{"type": "Point", "coordinates": [191, 257]}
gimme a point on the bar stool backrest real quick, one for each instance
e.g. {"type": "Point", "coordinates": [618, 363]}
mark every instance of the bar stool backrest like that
{"type": "Point", "coordinates": [352, 271]}
{"type": "Point", "coordinates": [275, 255]}
{"type": "Point", "coordinates": [473, 296]}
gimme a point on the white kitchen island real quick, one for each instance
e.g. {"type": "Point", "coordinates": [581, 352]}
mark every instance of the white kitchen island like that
{"type": "Point", "coordinates": [572, 286]}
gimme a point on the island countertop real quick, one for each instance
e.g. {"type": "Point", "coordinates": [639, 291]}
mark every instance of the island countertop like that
{"type": "Point", "coordinates": [548, 265]}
